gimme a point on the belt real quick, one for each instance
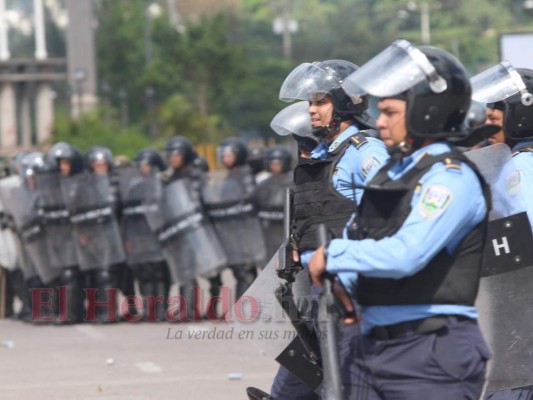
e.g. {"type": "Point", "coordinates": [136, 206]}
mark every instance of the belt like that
{"type": "Point", "coordinates": [417, 327]}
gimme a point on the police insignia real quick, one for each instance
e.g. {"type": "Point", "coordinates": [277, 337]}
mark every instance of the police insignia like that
{"type": "Point", "coordinates": [434, 201]}
{"type": "Point", "coordinates": [369, 164]}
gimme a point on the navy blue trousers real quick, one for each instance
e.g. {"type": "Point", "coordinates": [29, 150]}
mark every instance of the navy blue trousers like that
{"type": "Point", "coordinates": [288, 386]}
{"type": "Point", "coordinates": [445, 365]}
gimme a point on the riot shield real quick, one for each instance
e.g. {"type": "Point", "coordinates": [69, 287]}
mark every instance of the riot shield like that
{"type": "Point", "coordinates": [8, 244]}
{"type": "Point", "coordinates": [268, 321]}
{"type": "Point", "coordinates": [96, 235]}
{"type": "Point", "coordinates": [137, 197]}
{"type": "Point", "coordinates": [505, 296]}
{"type": "Point", "coordinates": [269, 199]}
{"type": "Point", "coordinates": [495, 164]}
{"type": "Point", "coordinates": [21, 202]}
{"type": "Point", "coordinates": [189, 243]}
{"type": "Point", "coordinates": [57, 227]}
{"type": "Point", "coordinates": [23, 259]}
{"type": "Point", "coordinates": [227, 197]}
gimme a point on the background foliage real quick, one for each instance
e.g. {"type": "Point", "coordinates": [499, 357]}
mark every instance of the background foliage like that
{"type": "Point", "coordinates": [220, 75]}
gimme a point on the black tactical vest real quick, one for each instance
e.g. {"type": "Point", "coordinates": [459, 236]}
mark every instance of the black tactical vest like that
{"type": "Point", "coordinates": [447, 278]}
{"type": "Point", "coordinates": [315, 201]}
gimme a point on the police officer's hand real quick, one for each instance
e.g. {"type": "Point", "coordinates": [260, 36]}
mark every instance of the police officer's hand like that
{"type": "Point", "coordinates": [350, 316]}
{"type": "Point", "coordinates": [317, 266]}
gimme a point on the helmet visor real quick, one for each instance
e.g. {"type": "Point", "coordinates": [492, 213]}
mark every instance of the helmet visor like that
{"type": "Point", "coordinates": [396, 69]}
{"type": "Point", "coordinates": [309, 81]}
{"type": "Point", "coordinates": [293, 119]}
{"type": "Point", "coordinates": [499, 83]}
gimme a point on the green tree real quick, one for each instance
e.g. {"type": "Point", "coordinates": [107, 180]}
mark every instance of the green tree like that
{"type": "Point", "coordinates": [90, 130]}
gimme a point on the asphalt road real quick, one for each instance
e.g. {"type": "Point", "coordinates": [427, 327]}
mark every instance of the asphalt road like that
{"type": "Point", "coordinates": [128, 361]}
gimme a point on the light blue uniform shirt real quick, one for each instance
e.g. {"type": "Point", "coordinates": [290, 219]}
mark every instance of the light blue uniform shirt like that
{"type": "Point", "coordinates": [524, 165]}
{"type": "Point", "coordinates": [447, 207]}
{"type": "Point", "coordinates": [357, 165]}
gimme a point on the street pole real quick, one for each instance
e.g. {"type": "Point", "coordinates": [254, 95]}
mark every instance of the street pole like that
{"type": "Point", "coordinates": [287, 40]}
{"type": "Point", "coordinates": [425, 29]}
{"type": "Point", "coordinates": [150, 12]}
{"type": "Point", "coordinates": [4, 43]}
{"type": "Point", "coordinates": [147, 37]}
{"type": "Point", "coordinates": [40, 42]}
{"type": "Point", "coordinates": [124, 117]}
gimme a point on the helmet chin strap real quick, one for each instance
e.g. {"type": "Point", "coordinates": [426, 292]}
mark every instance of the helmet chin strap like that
{"type": "Point", "coordinates": [333, 126]}
{"type": "Point", "coordinates": [406, 147]}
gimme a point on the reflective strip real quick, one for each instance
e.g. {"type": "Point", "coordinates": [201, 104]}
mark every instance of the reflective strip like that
{"type": "Point", "coordinates": [231, 211]}
{"type": "Point", "coordinates": [179, 227]}
{"type": "Point", "coordinates": [30, 232]}
{"type": "Point", "coordinates": [141, 209]}
{"type": "Point", "coordinates": [90, 215]}
{"type": "Point", "coordinates": [271, 215]}
{"type": "Point", "coordinates": [57, 214]}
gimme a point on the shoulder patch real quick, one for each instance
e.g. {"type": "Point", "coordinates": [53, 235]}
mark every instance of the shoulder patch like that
{"type": "Point", "coordinates": [369, 164]}
{"type": "Point", "coordinates": [434, 200]}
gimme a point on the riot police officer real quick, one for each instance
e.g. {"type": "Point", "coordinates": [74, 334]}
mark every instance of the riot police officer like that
{"type": "Point", "coordinates": [518, 128]}
{"type": "Point", "coordinates": [113, 274]}
{"type": "Point", "coordinates": [201, 163]}
{"type": "Point", "coordinates": [256, 160]}
{"type": "Point", "coordinates": [180, 156]}
{"type": "Point", "coordinates": [426, 210]}
{"type": "Point", "coordinates": [22, 201]}
{"type": "Point", "coordinates": [64, 160]}
{"type": "Point", "coordinates": [11, 258]}
{"type": "Point", "coordinates": [327, 186]}
{"type": "Point", "coordinates": [512, 100]}
{"type": "Point", "coordinates": [227, 195]}
{"type": "Point", "coordinates": [100, 160]}
{"type": "Point", "coordinates": [144, 254]}
{"type": "Point", "coordinates": [269, 196]}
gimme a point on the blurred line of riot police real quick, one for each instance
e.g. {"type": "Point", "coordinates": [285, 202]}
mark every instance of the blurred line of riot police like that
{"type": "Point", "coordinates": [79, 229]}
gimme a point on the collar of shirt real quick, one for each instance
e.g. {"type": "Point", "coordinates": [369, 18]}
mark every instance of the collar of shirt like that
{"type": "Point", "coordinates": [522, 144]}
{"type": "Point", "coordinates": [406, 163]}
{"type": "Point", "coordinates": [321, 151]}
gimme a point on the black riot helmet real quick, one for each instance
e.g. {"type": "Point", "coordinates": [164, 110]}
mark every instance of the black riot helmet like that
{"type": "Point", "coordinates": [439, 113]}
{"type": "Point", "coordinates": [235, 146]}
{"type": "Point", "coordinates": [518, 114]}
{"type": "Point", "coordinates": [314, 81]}
{"type": "Point", "coordinates": [433, 82]}
{"type": "Point", "coordinates": [305, 144]}
{"type": "Point", "coordinates": [65, 151]}
{"type": "Point", "coordinates": [151, 157]}
{"type": "Point", "coordinates": [180, 145]}
{"type": "Point", "coordinates": [32, 164]}
{"type": "Point", "coordinates": [98, 154]}
{"type": "Point", "coordinates": [280, 154]}
{"type": "Point", "coordinates": [476, 115]}
{"type": "Point", "coordinates": [256, 159]}
{"type": "Point", "coordinates": [510, 90]}
{"type": "Point", "coordinates": [16, 162]}
{"type": "Point", "coordinates": [200, 163]}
